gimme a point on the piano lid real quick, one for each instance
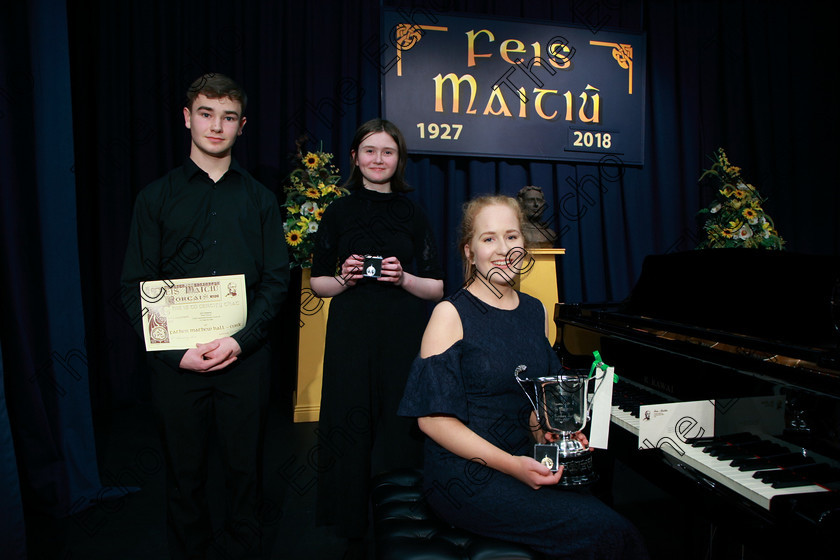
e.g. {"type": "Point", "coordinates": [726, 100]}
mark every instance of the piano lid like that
{"type": "Point", "coordinates": [774, 295]}
{"type": "Point", "coordinates": [769, 314]}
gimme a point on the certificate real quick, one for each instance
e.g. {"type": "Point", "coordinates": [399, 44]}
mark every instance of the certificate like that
{"type": "Point", "coordinates": [178, 314]}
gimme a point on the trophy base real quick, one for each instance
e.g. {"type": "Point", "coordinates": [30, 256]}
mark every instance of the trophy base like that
{"type": "Point", "coordinates": [577, 467]}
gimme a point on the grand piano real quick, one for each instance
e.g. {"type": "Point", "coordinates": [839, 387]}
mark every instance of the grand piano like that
{"type": "Point", "coordinates": [729, 325]}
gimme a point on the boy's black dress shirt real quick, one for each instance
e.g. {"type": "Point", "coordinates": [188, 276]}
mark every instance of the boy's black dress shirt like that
{"type": "Point", "coordinates": [187, 226]}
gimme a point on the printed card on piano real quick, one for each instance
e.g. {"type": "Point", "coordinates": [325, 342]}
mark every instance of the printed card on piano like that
{"type": "Point", "coordinates": [671, 424]}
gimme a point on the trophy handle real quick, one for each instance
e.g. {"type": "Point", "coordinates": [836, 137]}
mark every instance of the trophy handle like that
{"type": "Point", "coordinates": [587, 404]}
{"type": "Point", "coordinates": [516, 372]}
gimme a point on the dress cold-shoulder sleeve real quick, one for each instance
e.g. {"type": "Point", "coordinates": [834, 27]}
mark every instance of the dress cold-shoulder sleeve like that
{"type": "Point", "coordinates": [435, 386]}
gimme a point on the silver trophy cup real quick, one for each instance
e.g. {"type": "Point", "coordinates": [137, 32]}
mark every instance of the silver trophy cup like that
{"type": "Point", "coordinates": [562, 407]}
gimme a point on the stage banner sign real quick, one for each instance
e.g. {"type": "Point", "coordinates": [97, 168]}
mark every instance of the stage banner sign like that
{"type": "Point", "coordinates": [484, 87]}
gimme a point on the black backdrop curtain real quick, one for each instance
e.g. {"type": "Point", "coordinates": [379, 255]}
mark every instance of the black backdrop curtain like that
{"type": "Point", "coordinates": [752, 77]}
{"type": "Point", "coordinates": [746, 76]}
{"type": "Point", "coordinates": [48, 465]}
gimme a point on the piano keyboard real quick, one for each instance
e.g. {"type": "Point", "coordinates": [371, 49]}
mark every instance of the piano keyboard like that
{"type": "Point", "coordinates": [730, 462]}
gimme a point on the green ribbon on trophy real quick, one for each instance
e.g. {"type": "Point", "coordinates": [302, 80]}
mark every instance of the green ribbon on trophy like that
{"type": "Point", "coordinates": [599, 364]}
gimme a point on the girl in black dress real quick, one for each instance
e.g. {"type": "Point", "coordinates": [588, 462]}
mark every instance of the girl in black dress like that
{"type": "Point", "coordinates": [374, 327]}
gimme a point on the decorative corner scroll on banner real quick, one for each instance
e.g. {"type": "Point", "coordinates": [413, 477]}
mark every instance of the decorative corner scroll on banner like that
{"type": "Point", "coordinates": [623, 54]}
{"type": "Point", "coordinates": [408, 35]}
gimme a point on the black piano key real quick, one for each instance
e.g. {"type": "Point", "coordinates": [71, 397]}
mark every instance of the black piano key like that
{"type": "Point", "coordinates": [630, 399]}
{"type": "Point", "coordinates": [790, 461]}
{"type": "Point", "coordinates": [735, 453]}
{"type": "Point", "coordinates": [809, 472]}
{"type": "Point", "coordinates": [755, 448]}
{"type": "Point", "coordinates": [723, 444]}
{"type": "Point", "coordinates": [785, 458]}
{"type": "Point", "coordinates": [754, 464]}
{"type": "Point", "coordinates": [793, 483]}
{"type": "Point", "coordinates": [819, 473]}
{"type": "Point", "coordinates": [700, 441]}
{"type": "Point", "coordinates": [718, 447]}
{"type": "Point", "coordinates": [761, 449]}
{"type": "Point", "coordinates": [794, 461]}
{"type": "Point", "coordinates": [829, 479]}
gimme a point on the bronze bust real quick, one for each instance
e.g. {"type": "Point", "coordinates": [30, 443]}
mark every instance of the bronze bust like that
{"type": "Point", "coordinates": [536, 232]}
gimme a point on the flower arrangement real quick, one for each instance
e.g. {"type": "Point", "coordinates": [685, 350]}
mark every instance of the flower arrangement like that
{"type": "Point", "coordinates": [311, 188]}
{"type": "Point", "coordinates": [735, 218]}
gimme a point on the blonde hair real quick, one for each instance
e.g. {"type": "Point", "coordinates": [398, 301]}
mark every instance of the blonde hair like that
{"type": "Point", "coordinates": [467, 228]}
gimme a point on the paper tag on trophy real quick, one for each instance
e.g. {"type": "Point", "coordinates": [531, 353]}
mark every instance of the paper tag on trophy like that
{"type": "Point", "coordinates": [599, 432]}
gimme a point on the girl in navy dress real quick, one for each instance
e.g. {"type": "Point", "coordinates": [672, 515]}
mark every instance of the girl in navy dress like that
{"type": "Point", "coordinates": [479, 473]}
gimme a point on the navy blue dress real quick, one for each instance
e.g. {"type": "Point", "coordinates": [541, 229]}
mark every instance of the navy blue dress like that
{"type": "Point", "coordinates": [474, 381]}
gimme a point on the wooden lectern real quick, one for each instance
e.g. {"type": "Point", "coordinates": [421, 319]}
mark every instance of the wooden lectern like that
{"type": "Point", "coordinates": [541, 282]}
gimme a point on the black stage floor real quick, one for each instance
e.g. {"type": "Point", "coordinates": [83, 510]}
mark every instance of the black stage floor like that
{"type": "Point", "coordinates": [132, 528]}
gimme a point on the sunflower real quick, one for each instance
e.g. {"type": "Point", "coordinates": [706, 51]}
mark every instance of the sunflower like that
{"type": "Point", "coordinates": [310, 189]}
{"type": "Point", "coordinates": [293, 238]}
{"type": "Point", "coordinates": [750, 215]}
{"type": "Point", "coordinates": [311, 161]}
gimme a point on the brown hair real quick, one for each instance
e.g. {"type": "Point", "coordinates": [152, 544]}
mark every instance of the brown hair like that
{"type": "Point", "coordinates": [373, 126]}
{"type": "Point", "coordinates": [467, 228]}
{"type": "Point", "coordinates": [215, 86]}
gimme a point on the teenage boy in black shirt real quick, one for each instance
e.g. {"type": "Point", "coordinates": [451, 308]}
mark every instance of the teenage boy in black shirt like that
{"type": "Point", "coordinates": [210, 217]}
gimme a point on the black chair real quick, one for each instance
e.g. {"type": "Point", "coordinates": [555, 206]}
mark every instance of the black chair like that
{"type": "Point", "coordinates": [406, 528]}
